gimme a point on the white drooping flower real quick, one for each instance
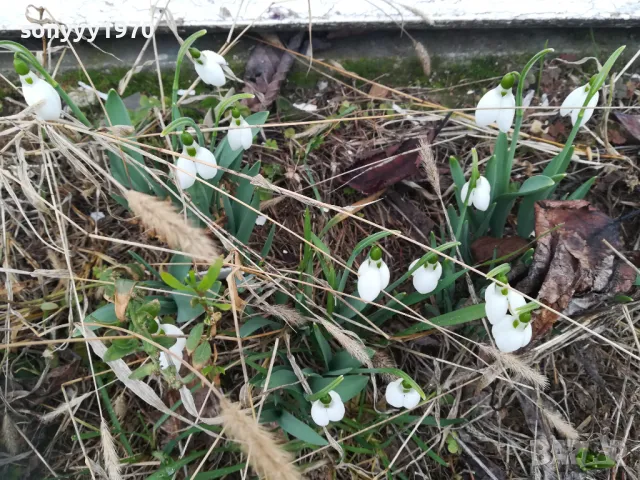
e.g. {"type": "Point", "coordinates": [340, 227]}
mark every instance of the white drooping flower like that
{"type": "Point", "coordinates": [511, 334]}
{"type": "Point", "coordinates": [574, 102]}
{"type": "Point", "coordinates": [498, 105]}
{"type": "Point", "coordinates": [206, 166]}
{"type": "Point", "coordinates": [426, 277]}
{"type": "Point", "coordinates": [328, 409]}
{"type": "Point", "coordinates": [373, 276]}
{"type": "Point", "coordinates": [209, 66]}
{"type": "Point", "coordinates": [36, 90]}
{"type": "Point", "coordinates": [480, 195]}
{"type": "Point", "coordinates": [177, 348]}
{"type": "Point", "coordinates": [240, 134]}
{"type": "Point", "coordinates": [400, 395]}
{"type": "Point", "coordinates": [498, 303]}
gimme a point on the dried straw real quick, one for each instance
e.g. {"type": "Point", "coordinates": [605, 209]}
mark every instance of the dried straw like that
{"type": "Point", "coordinates": [263, 453]}
{"type": "Point", "coordinates": [111, 460]}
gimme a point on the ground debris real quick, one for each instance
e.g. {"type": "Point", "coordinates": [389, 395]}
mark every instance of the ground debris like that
{"type": "Point", "coordinates": [573, 269]}
{"type": "Point", "coordinates": [482, 248]}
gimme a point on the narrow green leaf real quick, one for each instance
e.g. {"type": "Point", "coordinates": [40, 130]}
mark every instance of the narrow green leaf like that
{"type": "Point", "coordinates": [173, 282]}
{"type": "Point", "coordinates": [300, 430]}
{"type": "Point", "coordinates": [325, 348]}
{"type": "Point", "coordinates": [583, 189]}
{"type": "Point", "coordinates": [248, 221]}
{"type": "Point", "coordinates": [457, 317]}
{"type": "Point", "coordinates": [531, 185]}
{"type": "Point", "coordinates": [194, 337]}
{"type": "Point", "coordinates": [116, 352]}
{"type": "Point", "coordinates": [211, 276]}
{"type": "Point", "coordinates": [143, 371]}
{"type": "Point", "coordinates": [267, 244]}
{"type": "Point", "coordinates": [347, 389]}
{"type": "Point", "coordinates": [256, 323]}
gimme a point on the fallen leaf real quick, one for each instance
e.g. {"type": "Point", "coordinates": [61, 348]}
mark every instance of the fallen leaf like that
{"type": "Point", "coordinates": [402, 161]}
{"type": "Point", "coordinates": [630, 122]}
{"type": "Point", "coordinates": [379, 91]}
{"type": "Point", "coordinates": [482, 248]}
{"type": "Point", "coordinates": [572, 268]}
{"type": "Point", "coordinates": [266, 71]}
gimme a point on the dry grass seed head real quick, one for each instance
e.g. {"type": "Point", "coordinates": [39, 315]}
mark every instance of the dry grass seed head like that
{"type": "Point", "coordinates": [10, 437]}
{"type": "Point", "coordinates": [179, 234]}
{"type": "Point", "coordinates": [382, 359]}
{"type": "Point", "coordinates": [560, 424]}
{"type": "Point", "coordinates": [111, 460]}
{"type": "Point", "coordinates": [264, 455]}
{"type": "Point", "coordinates": [350, 342]}
{"type": "Point", "coordinates": [290, 315]}
{"type": "Point", "coordinates": [429, 165]}
{"type": "Point", "coordinates": [518, 367]}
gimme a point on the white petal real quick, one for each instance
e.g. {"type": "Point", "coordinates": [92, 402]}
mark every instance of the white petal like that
{"type": "Point", "coordinates": [413, 264]}
{"type": "Point", "coordinates": [40, 90]}
{"type": "Point", "coordinates": [425, 280]}
{"type": "Point", "coordinates": [185, 172]}
{"type": "Point", "coordinates": [516, 300]}
{"type": "Point", "coordinates": [588, 112]}
{"type": "Point", "coordinates": [319, 413]}
{"type": "Point", "coordinates": [214, 57]}
{"type": "Point", "coordinates": [364, 265]}
{"type": "Point", "coordinates": [177, 348]}
{"type": "Point", "coordinates": [507, 112]}
{"type": "Point", "coordinates": [507, 338]}
{"type": "Point", "coordinates": [234, 136]}
{"type": "Point", "coordinates": [208, 169]}
{"type": "Point", "coordinates": [411, 398]}
{"type": "Point", "coordinates": [210, 71]}
{"type": "Point", "coordinates": [482, 194]}
{"type": "Point", "coordinates": [465, 191]}
{"type": "Point", "coordinates": [369, 285]}
{"type": "Point", "coordinates": [247, 135]}
{"type": "Point", "coordinates": [395, 394]}
{"type": "Point", "coordinates": [385, 275]}
{"type": "Point", "coordinates": [574, 101]}
{"type": "Point", "coordinates": [490, 100]}
{"type": "Point", "coordinates": [335, 410]}
{"type": "Point", "coordinates": [496, 304]}
{"type": "Point", "coordinates": [526, 335]}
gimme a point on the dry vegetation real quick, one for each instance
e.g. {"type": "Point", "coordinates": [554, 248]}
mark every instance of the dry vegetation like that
{"type": "Point", "coordinates": [68, 413]}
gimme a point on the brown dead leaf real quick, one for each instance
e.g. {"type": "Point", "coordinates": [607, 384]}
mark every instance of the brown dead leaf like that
{"type": "Point", "coordinates": [482, 249]}
{"type": "Point", "coordinates": [400, 165]}
{"type": "Point", "coordinates": [379, 91]}
{"type": "Point", "coordinates": [266, 71]}
{"type": "Point", "coordinates": [630, 122]}
{"type": "Point", "coordinates": [572, 268]}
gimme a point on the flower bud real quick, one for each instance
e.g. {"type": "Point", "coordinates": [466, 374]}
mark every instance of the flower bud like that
{"type": "Point", "coordinates": [525, 317]}
{"type": "Point", "coordinates": [20, 67]}
{"type": "Point", "coordinates": [508, 81]}
{"type": "Point", "coordinates": [187, 139]}
{"type": "Point", "coordinates": [235, 113]}
{"type": "Point", "coordinates": [195, 53]}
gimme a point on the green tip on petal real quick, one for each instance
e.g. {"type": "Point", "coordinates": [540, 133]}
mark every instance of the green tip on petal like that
{"type": "Point", "coordinates": [375, 254]}
{"type": "Point", "coordinates": [235, 113]}
{"type": "Point", "coordinates": [20, 67]}
{"type": "Point", "coordinates": [187, 138]}
{"type": "Point", "coordinates": [406, 385]}
{"type": "Point", "coordinates": [195, 53]}
{"type": "Point", "coordinates": [191, 151]}
{"type": "Point", "coordinates": [508, 81]}
{"type": "Point", "coordinates": [29, 80]}
{"type": "Point", "coordinates": [516, 323]}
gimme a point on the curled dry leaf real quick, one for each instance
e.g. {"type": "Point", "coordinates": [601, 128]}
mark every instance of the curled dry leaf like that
{"type": "Point", "coordinates": [573, 269]}
{"type": "Point", "coordinates": [266, 71]}
{"type": "Point", "coordinates": [630, 122]}
{"type": "Point", "coordinates": [482, 249]}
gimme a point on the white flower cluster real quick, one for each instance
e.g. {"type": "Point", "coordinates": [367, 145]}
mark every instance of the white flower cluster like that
{"type": "Point", "coordinates": [374, 276]}
{"type": "Point", "coordinates": [511, 331]}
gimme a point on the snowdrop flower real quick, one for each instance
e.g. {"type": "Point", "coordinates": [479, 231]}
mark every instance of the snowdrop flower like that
{"type": "Point", "coordinates": [511, 334]}
{"type": "Point", "coordinates": [373, 276]}
{"type": "Point", "coordinates": [401, 394]}
{"type": "Point", "coordinates": [330, 408]}
{"type": "Point", "coordinates": [500, 300]}
{"type": "Point", "coordinates": [36, 90]}
{"type": "Point", "coordinates": [426, 277]}
{"type": "Point", "coordinates": [209, 66]}
{"type": "Point", "coordinates": [240, 134]}
{"type": "Point", "coordinates": [498, 105]}
{"type": "Point", "coordinates": [205, 167]}
{"type": "Point", "coordinates": [167, 360]}
{"type": "Point", "coordinates": [575, 100]}
{"type": "Point", "coordinates": [185, 172]}
{"type": "Point", "coordinates": [480, 195]}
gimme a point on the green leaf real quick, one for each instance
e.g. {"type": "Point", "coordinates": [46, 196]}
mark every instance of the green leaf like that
{"type": "Point", "coordinates": [117, 351]}
{"type": "Point", "coordinates": [48, 306]}
{"type": "Point", "coordinates": [351, 386]}
{"type": "Point", "coordinates": [256, 323]}
{"type": "Point", "coordinates": [173, 282]}
{"type": "Point", "coordinates": [194, 337]}
{"type": "Point", "coordinates": [244, 192]}
{"type": "Point", "coordinates": [452, 445]}
{"type": "Point", "coordinates": [105, 315]}
{"type": "Point", "coordinates": [202, 355]}
{"type": "Point", "coordinates": [283, 377]}
{"type": "Point", "coordinates": [267, 244]}
{"type": "Point", "coordinates": [583, 189]}
{"type": "Point", "coordinates": [423, 446]}
{"type": "Point", "coordinates": [457, 317]}
{"type": "Point", "coordinates": [343, 359]}
{"type": "Point", "coordinates": [325, 348]}
{"type": "Point", "coordinates": [211, 276]}
{"type": "Point", "coordinates": [300, 430]}
{"type": "Point", "coordinates": [531, 185]}
{"type": "Point", "coordinates": [219, 472]}
{"type": "Point", "coordinates": [248, 221]}
{"type": "Point", "coordinates": [143, 371]}
{"type": "Point", "coordinates": [228, 210]}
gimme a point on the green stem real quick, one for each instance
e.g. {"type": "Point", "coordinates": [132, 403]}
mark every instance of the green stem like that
{"type": "Point", "coordinates": [175, 112]}
{"type": "Point", "coordinates": [178, 123]}
{"type": "Point", "coordinates": [112, 414]}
